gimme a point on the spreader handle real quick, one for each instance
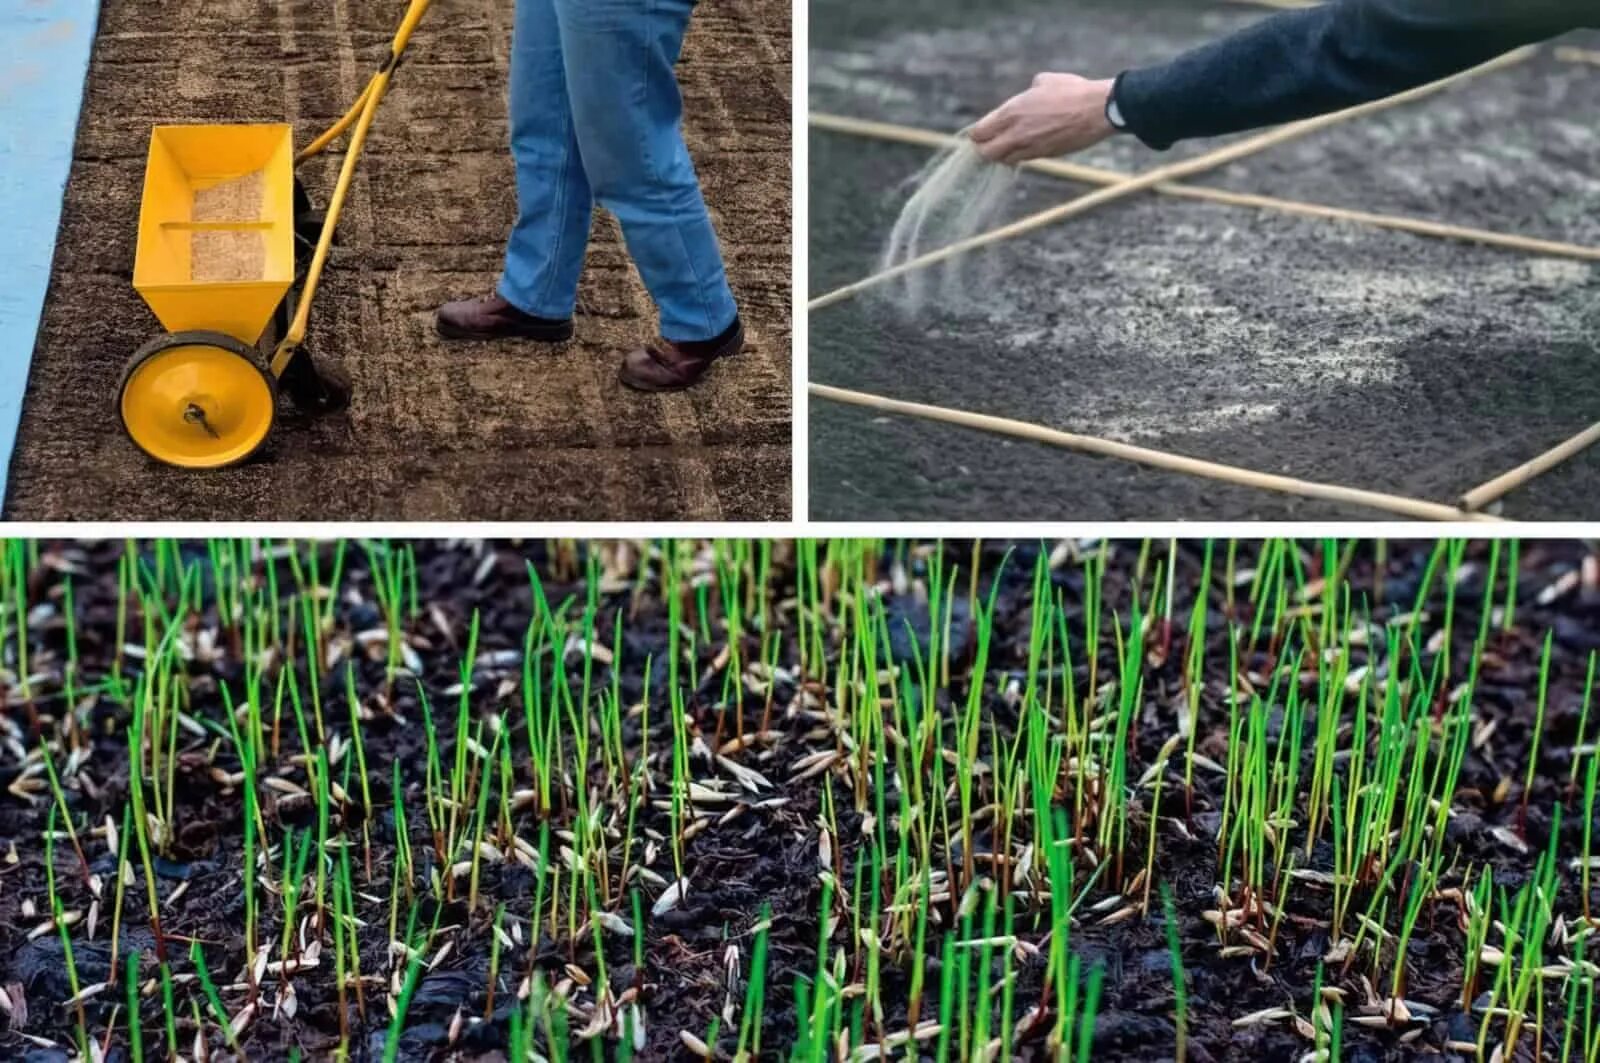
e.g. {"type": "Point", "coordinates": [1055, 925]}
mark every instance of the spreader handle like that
{"type": "Point", "coordinates": [362, 115]}
{"type": "Point", "coordinates": [308, 290]}
{"type": "Point", "coordinates": [402, 40]}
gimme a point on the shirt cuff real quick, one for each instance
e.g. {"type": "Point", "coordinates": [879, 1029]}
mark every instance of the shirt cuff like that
{"type": "Point", "coordinates": [1128, 92]}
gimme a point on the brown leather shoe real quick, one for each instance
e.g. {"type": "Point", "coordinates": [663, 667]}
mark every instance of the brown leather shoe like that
{"type": "Point", "coordinates": [490, 317]}
{"type": "Point", "coordinates": [666, 366]}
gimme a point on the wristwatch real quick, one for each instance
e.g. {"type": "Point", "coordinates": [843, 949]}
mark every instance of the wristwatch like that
{"type": "Point", "coordinates": [1113, 112]}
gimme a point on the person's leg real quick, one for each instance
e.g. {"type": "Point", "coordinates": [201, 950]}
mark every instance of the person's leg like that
{"type": "Point", "coordinates": [625, 102]}
{"type": "Point", "coordinates": [545, 254]}
{"type": "Point", "coordinates": [538, 288]}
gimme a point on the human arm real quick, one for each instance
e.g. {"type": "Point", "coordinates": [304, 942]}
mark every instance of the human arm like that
{"type": "Point", "coordinates": [1288, 66]}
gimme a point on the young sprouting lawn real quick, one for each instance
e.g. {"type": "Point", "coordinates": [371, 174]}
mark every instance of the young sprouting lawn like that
{"type": "Point", "coordinates": [814, 800]}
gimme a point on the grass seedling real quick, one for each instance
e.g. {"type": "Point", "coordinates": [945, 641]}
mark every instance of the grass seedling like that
{"type": "Point", "coordinates": [354, 703]}
{"type": "Point", "coordinates": [1130, 690]}
{"type": "Point", "coordinates": [1061, 966]}
{"type": "Point", "coordinates": [1091, 1009]}
{"type": "Point", "coordinates": [947, 999]}
{"type": "Point", "coordinates": [397, 1023]}
{"type": "Point", "coordinates": [348, 926]}
{"type": "Point", "coordinates": [1422, 887]}
{"type": "Point", "coordinates": [1194, 682]}
{"type": "Point", "coordinates": [918, 968]}
{"type": "Point", "coordinates": [749, 1046]}
{"type": "Point", "coordinates": [125, 587]}
{"type": "Point", "coordinates": [1593, 746]}
{"type": "Point", "coordinates": [292, 883]}
{"type": "Point", "coordinates": [981, 1043]}
{"type": "Point", "coordinates": [1479, 910]}
{"type": "Point", "coordinates": [1509, 619]}
{"type": "Point", "coordinates": [1589, 811]}
{"type": "Point", "coordinates": [1538, 731]}
{"type": "Point", "coordinates": [311, 618]}
{"type": "Point", "coordinates": [135, 1033]}
{"type": "Point", "coordinates": [401, 878]}
{"type": "Point", "coordinates": [324, 797]}
{"type": "Point", "coordinates": [341, 966]}
{"type": "Point", "coordinates": [542, 722]}
{"type": "Point", "coordinates": [496, 935]}
{"type": "Point", "coordinates": [252, 816]}
{"type": "Point", "coordinates": [481, 816]}
{"type": "Point", "coordinates": [141, 821]}
{"type": "Point", "coordinates": [969, 729]}
{"type": "Point", "coordinates": [218, 1012]}
{"type": "Point", "coordinates": [392, 570]}
{"type": "Point", "coordinates": [60, 799]}
{"type": "Point", "coordinates": [1160, 772]}
{"type": "Point", "coordinates": [1572, 987]}
{"type": "Point", "coordinates": [169, 1010]}
{"type": "Point", "coordinates": [1524, 922]}
{"type": "Point", "coordinates": [1180, 991]}
{"type": "Point", "coordinates": [58, 915]}
{"type": "Point", "coordinates": [17, 567]}
{"type": "Point", "coordinates": [1591, 1021]}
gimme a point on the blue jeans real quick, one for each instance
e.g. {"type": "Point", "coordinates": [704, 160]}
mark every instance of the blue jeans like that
{"type": "Point", "coordinates": [596, 115]}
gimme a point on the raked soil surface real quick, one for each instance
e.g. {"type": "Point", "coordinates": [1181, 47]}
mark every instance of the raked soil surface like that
{"type": "Point", "coordinates": [502, 431]}
{"type": "Point", "coordinates": [1324, 350]}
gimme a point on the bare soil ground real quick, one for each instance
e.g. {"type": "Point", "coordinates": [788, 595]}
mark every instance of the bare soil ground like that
{"type": "Point", "coordinates": [1329, 351]}
{"type": "Point", "coordinates": [496, 431]}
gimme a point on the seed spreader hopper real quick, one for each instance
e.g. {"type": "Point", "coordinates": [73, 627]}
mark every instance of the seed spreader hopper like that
{"type": "Point", "coordinates": [230, 253]}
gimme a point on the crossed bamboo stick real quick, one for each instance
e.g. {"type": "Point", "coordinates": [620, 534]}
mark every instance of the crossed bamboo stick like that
{"type": "Point", "coordinates": [1165, 180]}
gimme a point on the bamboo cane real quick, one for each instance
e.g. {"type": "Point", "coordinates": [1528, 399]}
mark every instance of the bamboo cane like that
{"type": "Point", "coordinates": [1159, 175]}
{"type": "Point", "coordinates": [1398, 504]}
{"type": "Point", "coordinates": [1507, 482]}
{"type": "Point", "coordinates": [1097, 176]}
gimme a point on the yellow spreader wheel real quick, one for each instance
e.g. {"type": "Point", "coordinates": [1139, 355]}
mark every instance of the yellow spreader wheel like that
{"type": "Point", "coordinates": [197, 400]}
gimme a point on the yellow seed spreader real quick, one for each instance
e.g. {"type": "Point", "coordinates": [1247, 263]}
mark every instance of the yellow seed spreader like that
{"type": "Point", "coordinates": [230, 253]}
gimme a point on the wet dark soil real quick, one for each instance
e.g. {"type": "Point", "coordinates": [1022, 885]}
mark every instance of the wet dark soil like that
{"type": "Point", "coordinates": [437, 431]}
{"type": "Point", "coordinates": [1327, 351]}
{"type": "Point", "coordinates": [763, 856]}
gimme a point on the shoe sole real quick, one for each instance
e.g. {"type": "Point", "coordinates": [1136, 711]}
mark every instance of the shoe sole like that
{"type": "Point", "coordinates": [455, 332]}
{"type": "Point", "coordinates": [653, 389]}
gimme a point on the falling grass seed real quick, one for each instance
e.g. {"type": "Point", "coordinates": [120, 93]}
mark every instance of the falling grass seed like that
{"type": "Point", "coordinates": [956, 196]}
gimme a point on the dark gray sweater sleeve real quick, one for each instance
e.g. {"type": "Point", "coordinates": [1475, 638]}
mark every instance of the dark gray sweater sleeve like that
{"type": "Point", "coordinates": [1344, 52]}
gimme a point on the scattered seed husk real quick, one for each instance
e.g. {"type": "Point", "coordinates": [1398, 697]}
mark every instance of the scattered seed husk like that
{"type": "Point", "coordinates": [671, 898]}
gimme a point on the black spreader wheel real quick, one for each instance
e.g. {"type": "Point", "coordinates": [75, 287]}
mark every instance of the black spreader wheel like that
{"type": "Point", "coordinates": [315, 389]}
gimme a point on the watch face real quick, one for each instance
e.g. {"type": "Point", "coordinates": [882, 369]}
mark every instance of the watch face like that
{"type": "Point", "coordinates": [1114, 114]}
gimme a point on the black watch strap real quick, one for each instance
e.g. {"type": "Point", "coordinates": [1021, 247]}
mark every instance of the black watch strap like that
{"type": "Point", "coordinates": [1114, 114]}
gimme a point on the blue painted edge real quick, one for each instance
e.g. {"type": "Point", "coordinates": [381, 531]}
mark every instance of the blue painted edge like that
{"type": "Point", "coordinates": [43, 68]}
